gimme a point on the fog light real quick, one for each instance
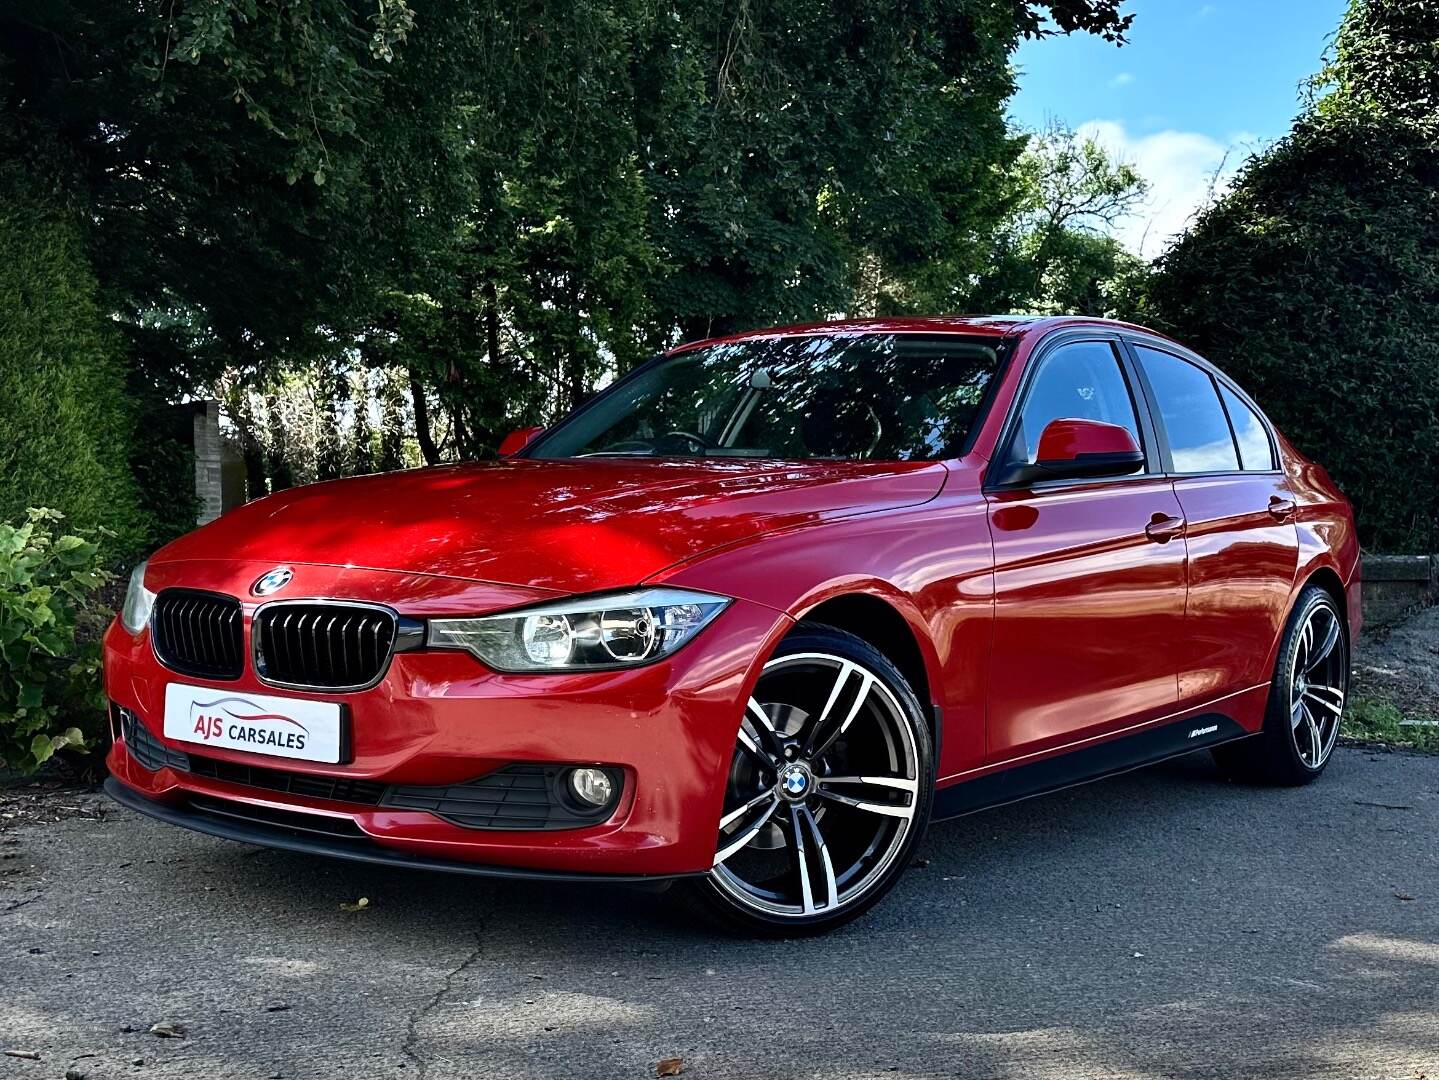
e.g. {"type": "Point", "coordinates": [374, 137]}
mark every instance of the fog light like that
{"type": "Point", "coordinates": [592, 787]}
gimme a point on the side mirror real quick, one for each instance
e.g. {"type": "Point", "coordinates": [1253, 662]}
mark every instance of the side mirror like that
{"type": "Point", "coordinates": [1080, 449]}
{"type": "Point", "coordinates": [517, 440]}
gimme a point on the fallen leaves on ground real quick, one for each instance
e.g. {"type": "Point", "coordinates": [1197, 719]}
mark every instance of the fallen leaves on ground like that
{"type": "Point", "coordinates": [670, 1067]}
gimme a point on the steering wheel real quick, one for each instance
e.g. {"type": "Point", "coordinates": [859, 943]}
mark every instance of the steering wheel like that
{"type": "Point", "coordinates": [657, 446]}
{"type": "Point", "coordinates": [629, 446]}
{"type": "Point", "coordinates": [698, 442]}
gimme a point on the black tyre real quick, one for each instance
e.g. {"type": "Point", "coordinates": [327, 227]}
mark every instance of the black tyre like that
{"type": "Point", "coordinates": [828, 793]}
{"type": "Point", "coordinates": [1306, 699]}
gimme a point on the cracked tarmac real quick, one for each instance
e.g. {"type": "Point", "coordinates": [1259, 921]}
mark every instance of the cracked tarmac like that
{"type": "Point", "coordinates": [1158, 924]}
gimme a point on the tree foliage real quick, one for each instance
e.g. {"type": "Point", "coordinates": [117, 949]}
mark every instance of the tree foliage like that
{"type": "Point", "coordinates": [510, 202]}
{"type": "Point", "coordinates": [1384, 64]}
{"type": "Point", "coordinates": [254, 170]}
{"type": "Point", "coordinates": [1316, 279]}
{"type": "Point", "coordinates": [646, 174]}
{"type": "Point", "coordinates": [258, 171]}
{"type": "Point", "coordinates": [1056, 253]}
{"type": "Point", "coordinates": [66, 418]}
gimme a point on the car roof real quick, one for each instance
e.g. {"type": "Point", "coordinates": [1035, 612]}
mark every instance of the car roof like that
{"type": "Point", "coordinates": [995, 326]}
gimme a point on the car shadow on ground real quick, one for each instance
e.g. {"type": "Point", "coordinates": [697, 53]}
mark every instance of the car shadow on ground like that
{"type": "Point", "coordinates": [1163, 923]}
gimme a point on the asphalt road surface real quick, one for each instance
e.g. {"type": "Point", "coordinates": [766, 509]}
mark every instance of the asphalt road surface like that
{"type": "Point", "coordinates": [1160, 924]}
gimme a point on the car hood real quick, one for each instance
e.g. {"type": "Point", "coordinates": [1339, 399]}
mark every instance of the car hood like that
{"type": "Point", "coordinates": [565, 526]}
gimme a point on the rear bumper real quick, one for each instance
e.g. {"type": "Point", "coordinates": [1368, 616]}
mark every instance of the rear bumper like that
{"type": "Point", "coordinates": [357, 849]}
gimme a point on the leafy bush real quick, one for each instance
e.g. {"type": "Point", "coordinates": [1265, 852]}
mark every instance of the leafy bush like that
{"type": "Point", "coordinates": [49, 664]}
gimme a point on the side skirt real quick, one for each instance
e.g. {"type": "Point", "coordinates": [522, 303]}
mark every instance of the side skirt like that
{"type": "Point", "coordinates": [1081, 766]}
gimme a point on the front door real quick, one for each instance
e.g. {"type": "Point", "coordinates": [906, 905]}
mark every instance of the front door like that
{"type": "Point", "coordinates": [1089, 576]}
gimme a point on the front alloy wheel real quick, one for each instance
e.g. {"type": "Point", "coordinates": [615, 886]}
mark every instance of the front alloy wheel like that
{"type": "Point", "coordinates": [828, 790]}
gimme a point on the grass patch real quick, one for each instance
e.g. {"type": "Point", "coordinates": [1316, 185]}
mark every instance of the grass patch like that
{"type": "Point", "coordinates": [1380, 721]}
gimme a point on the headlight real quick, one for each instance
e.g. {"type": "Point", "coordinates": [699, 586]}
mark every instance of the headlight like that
{"type": "Point", "coordinates": [588, 632]}
{"type": "Point", "coordinates": [138, 602]}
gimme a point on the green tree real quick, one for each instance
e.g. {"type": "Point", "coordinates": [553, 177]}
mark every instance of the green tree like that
{"type": "Point", "coordinates": [514, 202]}
{"type": "Point", "coordinates": [1316, 278]}
{"type": "Point", "coordinates": [646, 174]}
{"type": "Point", "coordinates": [1056, 253]}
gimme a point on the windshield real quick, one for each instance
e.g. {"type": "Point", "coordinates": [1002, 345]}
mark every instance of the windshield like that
{"type": "Point", "coordinates": [871, 397]}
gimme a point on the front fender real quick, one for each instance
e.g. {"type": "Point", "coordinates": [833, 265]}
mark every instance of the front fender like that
{"type": "Point", "coordinates": [932, 564]}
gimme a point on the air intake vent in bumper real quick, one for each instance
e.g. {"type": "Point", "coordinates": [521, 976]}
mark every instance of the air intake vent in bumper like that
{"type": "Point", "coordinates": [335, 788]}
{"type": "Point", "coordinates": [149, 751]}
{"type": "Point", "coordinates": [521, 796]}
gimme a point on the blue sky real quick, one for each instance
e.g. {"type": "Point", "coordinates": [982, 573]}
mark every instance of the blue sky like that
{"type": "Point", "coordinates": [1198, 87]}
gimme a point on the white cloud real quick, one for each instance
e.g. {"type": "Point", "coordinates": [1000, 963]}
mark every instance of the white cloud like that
{"type": "Point", "coordinates": [1124, 78]}
{"type": "Point", "coordinates": [1184, 168]}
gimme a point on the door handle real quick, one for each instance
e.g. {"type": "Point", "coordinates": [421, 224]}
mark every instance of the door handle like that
{"type": "Point", "coordinates": [1280, 509]}
{"type": "Point", "coordinates": [1163, 528]}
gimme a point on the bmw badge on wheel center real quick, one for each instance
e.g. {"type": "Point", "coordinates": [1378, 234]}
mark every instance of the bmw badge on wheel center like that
{"type": "Point", "coordinates": [747, 622]}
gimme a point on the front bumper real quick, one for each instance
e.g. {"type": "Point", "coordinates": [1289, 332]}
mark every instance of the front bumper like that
{"type": "Point", "coordinates": [441, 718]}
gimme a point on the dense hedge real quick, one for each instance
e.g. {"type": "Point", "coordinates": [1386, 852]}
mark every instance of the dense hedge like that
{"type": "Point", "coordinates": [63, 409]}
{"type": "Point", "coordinates": [1315, 282]}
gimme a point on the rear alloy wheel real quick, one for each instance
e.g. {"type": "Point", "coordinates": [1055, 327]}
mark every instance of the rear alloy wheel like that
{"type": "Point", "coordinates": [1306, 699]}
{"type": "Point", "coordinates": [827, 793]}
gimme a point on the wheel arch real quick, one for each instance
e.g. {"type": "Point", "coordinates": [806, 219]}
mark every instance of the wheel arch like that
{"type": "Point", "coordinates": [1324, 574]}
{"type": "Point", "coordinates": [882, 624]}
{"type": "Point", "coordinates": [1327, 578]}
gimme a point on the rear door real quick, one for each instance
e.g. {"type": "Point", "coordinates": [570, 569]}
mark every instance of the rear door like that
{"type": "Point", "coordinates": [1243, 546]}
{"type": "Point", "coordinates": [1088, 575]}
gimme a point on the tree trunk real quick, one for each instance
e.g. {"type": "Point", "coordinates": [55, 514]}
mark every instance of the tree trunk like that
{"type": "Point", "coordinates": [256, 485]}
{"type": "Point", "coordinates": [428, 449]}
{"type": "Point", "coordinates": [464, 450]}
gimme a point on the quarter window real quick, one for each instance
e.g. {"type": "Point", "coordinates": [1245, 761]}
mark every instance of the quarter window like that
{"type": "Point", "coordinates": [1199, 437]}
{"type": "Point", "coordinates": [1255, 453]}
{"type": "Point", "coordinates": [1080, 381]}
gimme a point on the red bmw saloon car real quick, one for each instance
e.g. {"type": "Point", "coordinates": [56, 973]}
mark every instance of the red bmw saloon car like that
{"type": "Point", "coordinates": [752, 617]}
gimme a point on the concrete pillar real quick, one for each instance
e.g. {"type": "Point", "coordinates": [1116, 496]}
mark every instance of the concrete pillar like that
{"type": "Point", "coordinates": [209, 484]}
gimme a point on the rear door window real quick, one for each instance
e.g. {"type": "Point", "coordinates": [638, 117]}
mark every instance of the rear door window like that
{"type": "Point", "coordinates": [1194, 421]}
{"type": "Point", "coordinates": [1255, 453]}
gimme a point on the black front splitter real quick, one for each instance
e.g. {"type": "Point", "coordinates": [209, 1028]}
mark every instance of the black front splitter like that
{"type": "Point", "coordinates": [354, 849]}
